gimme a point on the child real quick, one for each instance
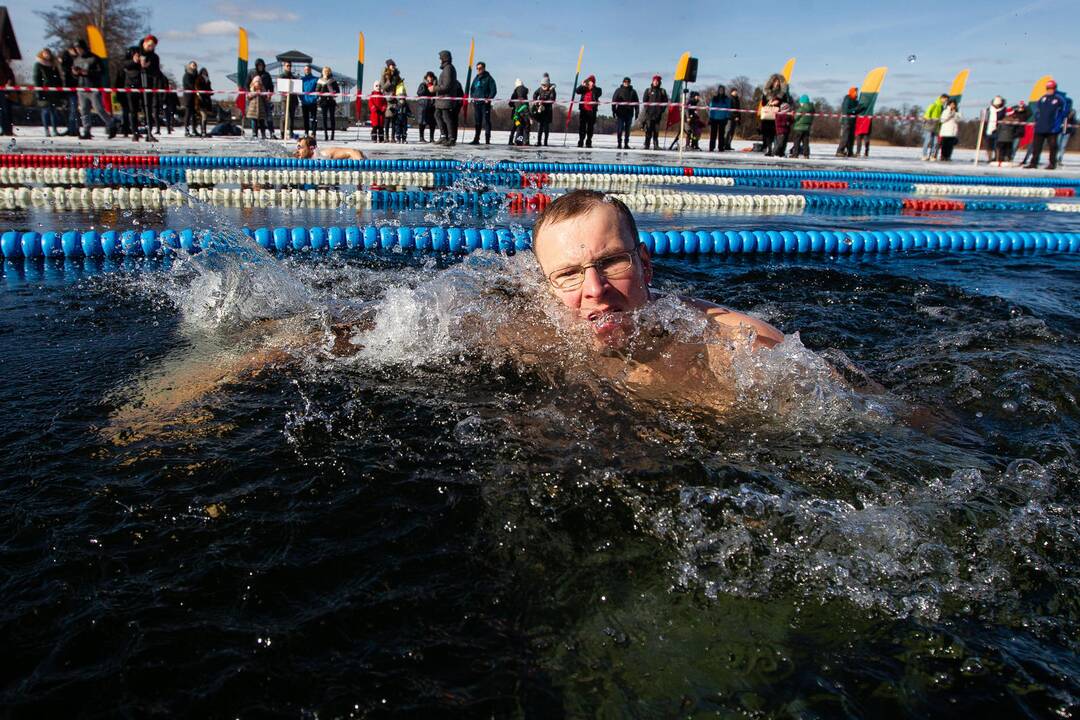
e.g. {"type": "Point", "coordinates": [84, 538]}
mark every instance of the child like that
{"type": "Point", "coordinates": [804, 120]}
{"type": "Point", "coordinates": [377, 114]}
{"type": "Point", "coordinates": [401, 114]}
{"type": "Point", "coordinates": [520, 134]}
{"type": "Point", "coordinates": [694, 124]}
{"type": "Point", "coordinates": [783, 127]}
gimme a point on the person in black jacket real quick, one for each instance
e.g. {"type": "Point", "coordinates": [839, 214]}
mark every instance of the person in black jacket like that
{"type": "Point", "coordinates": [67, 60]}
{"type": "Point", "coordinates": [190, 102]}
{"type": "Point", "coordinates": [133, 74]}
{"type": "Point", "coordinates": [87, 70]}
{"type": "Point", "coordinates": [519, 97]}
{"type": "Point", "coordinates": [543, 108]}
{"type": "Point", "coordinates": [590, 95]}
{"type": "Point", "coordinates": [656, 99]}
{"type": "Point", "coordinates": [736, 117]}
{"type": "Point", "coordinates": [155, 80]}
{"type": "Point", "coordinates": [626, 114]}
{"type": "Point", "coordinates": [425, 109]}
{"type": "Point", "coordinates": [447, 104]}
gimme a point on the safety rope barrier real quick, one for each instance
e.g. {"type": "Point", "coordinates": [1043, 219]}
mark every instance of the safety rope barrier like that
{"type": "Point", "coordinates": [16, 245]}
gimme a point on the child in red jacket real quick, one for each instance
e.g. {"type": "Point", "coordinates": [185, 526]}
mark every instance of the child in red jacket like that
{"type": "Point", "coordinates": [783, 129]}
{"type": "Point", "coordinates": [377, 112]}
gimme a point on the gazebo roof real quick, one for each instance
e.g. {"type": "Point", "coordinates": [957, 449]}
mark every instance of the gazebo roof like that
{"type": "Point", "coordinates": [346, 82]}
{"type": "Point", "coordinates": [294, 56]}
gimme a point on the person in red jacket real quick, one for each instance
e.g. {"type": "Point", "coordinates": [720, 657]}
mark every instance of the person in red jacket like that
{"type": "Point", "coordinates": [377, 111]}
{"type": "Point", "coordinates": [589, 94]}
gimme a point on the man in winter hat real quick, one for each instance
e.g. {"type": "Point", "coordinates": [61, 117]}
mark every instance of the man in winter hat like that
{"type": "Point", "coordinates": [655, 99]}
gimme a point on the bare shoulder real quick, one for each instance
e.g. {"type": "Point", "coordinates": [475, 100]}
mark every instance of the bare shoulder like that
{"type": "Point", "coordinates": [342, 153]}
{"type": "Point", "coordinates": [766, 335]}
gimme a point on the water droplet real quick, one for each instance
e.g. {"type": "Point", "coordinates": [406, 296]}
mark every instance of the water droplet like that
{"type": "Point", "coordinates": [912, 58]}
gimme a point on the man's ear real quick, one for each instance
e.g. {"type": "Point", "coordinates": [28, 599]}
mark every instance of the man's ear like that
{"type": "Point", "coordinates": [646, 263]}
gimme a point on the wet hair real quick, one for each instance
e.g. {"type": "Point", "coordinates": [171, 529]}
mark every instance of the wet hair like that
{"type": "Point", "coordinates": [580, 202]}
{"type": "Point", "coordinates": [308, 140]}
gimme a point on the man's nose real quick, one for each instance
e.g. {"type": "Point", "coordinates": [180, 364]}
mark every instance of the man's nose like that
{"type": "Point", "coordinates": [593, 283]}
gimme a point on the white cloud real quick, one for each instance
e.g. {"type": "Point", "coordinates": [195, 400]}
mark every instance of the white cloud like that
{"type": "Point", "coordinates": [245, 13]}
{"type": "Point", "coordinates": [217, 27]}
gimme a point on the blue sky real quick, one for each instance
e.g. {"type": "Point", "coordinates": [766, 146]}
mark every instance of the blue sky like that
{"type": "Point", "coordinates": [1007, 45]}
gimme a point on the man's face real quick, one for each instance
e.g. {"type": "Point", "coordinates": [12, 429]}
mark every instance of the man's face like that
{"type": "Point", "coordinates": [626, 83]}
{"type": "Point", "coordinates": [149, 45]}
{"type": "Point", "coordinates": [480, 67]}
{"type": "Point", "coordinates": [598, 300]}
{"type": "Point", "coordinates": [287, 67]}
{"type": "Point", "coordinates": [307, 69]}
{"type": "Point", "coordinates": [304, 150]}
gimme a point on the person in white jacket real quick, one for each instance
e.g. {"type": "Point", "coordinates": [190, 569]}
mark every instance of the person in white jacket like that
{"type": "Point", "coordinates": [950, 130]}
{"type": "Point", "coordinates": [994, 113]}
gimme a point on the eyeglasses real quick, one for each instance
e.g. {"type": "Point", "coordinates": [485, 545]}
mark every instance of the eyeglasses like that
{"type": "Point", "coordinates": [611, 266]}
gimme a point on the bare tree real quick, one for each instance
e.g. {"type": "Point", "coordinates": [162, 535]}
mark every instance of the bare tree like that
{"type": "Point", "coordinates": [122, 22]}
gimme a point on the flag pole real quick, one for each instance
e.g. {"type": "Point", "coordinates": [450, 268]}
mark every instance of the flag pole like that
{"type": "Point", "coordinates": [468, 87]}
{"type": "Point", "coordinates": [359, 85]}
{"type": "Point", "coordinates": [573, 92]}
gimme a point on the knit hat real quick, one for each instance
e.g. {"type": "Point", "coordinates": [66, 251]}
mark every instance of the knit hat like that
{"type": "Point", "coordinates": [1051, 85]}
{"type": "Point", "coordinates": [626, 79]}
{"type": "Point", "coordinates": [853, 92]}
{"type": "Point", "coordinates": [546, 80]}
{"type": "Point", "coordinates": [390, 61]}
{"type": "Point", "coordinates": [591, 77]}
{"type": "Point", "coordinates": [804, 98]}
{"type": "Point", "coordinates": [518, 83]}
{"type": "Point", "coordinates": [657, 78]}
{"type": "Point", "coordinates": [377, 86]}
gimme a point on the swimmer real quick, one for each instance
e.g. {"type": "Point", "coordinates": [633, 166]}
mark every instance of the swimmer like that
{"type": "Point", "coordinates": [588, 249]}
{"type": "Point", "coordinates": [306, 149]}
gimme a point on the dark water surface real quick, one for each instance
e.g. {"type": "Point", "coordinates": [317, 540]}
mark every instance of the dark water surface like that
{"type": "Point", "coordinates": [426, 530]}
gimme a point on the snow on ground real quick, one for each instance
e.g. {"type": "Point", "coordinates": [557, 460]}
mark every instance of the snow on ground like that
{"type": "Point", "coordinates": [882, 158]}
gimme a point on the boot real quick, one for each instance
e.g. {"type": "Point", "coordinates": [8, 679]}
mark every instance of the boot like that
{"type": "Point", "coordinates": [476, 138]}
{"type": "Point", "coordinates": [487, 137]}
{"type": "Point", "coordinates": [619, 144]}
{"type": "Point", "coordinates": [581, 142]}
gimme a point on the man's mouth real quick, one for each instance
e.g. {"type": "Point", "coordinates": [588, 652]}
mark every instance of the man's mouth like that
{"type": "Point", "coordinates": [606, 322]}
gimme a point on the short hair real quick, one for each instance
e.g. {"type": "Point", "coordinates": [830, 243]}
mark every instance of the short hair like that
{"type": "Point", "coordinates": [308, 140]}
{"type": "Point", "coordinates": [580, 202]}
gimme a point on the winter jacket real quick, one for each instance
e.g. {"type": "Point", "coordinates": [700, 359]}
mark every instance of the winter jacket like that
{"type": "Point", "coordinates": [132, 72]}
{"type": "Point", "coordinates": [1050, 113]}
{"type": "Point", "coordinates": [188, 84]}
{"type": "Point", "coordinates": [310, 82]}
{"type": "Point", "coordinates": [736, 105]}
{"type": "Point", "coordinates": [483, 87]}
{"type": "Point", "coordinates": [47, 76]}
{"type": "Point", "coordinates": [377, 109]}
{"type": "Point", "coordinates": [258, 106]}
{"type": "Point", "coordinates": [66, 74]}
{"type": "Point", "coordinates": [1012, 125]}
{"type": "Point", "coordinates": [851, 106]}
{"type": "Point", "coordinates": [591, 104]}
{"type": "Point", "coordinates": [88, 70]}
{"type": "Point", "coordinates": [206, 100]}
{"type": "Point", "coordinates": [625, 94]}
{"type": "Point", "coordinates": [804, 118]}
{"type": "Point", "coordinates": [330, 85]}
{"type": "Point", "coordinates": [776, 88]}
{"type": "Point", "coordinates": [718, 108]}
{"type": "Point", "coordinates": [519, 97]}
{"type": "Point", "coordinates": [932, 116]}
{"type": "Point", "coordinates": [267, 81]}
{"type": "Point", "coordinates": [653, 113]}
{"type": "Point", "coordinates": [425, 108]}
{"type": "Point", "coordinates": [543, 103]}
{"type": "Point", "coordinates": [389, 80]}
{"type": "Point", "coordinates": [783, 122]}
{"type": "Point", "coordinates": [950, 123]}
{"type": "Point", "coordinates": [448, 84]}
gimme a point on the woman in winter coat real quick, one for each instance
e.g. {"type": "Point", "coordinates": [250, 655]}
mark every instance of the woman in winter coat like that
{"type": "Point", "coordinates": [718, 118]}
{"type": "Point", "coordinates": [425, 109]}
{"type": "Point", "coordinates": [391, 77]}
{"type": "Point", "coordinates": [950, 130]}
{"type": "Point", "coordinates": [206, 100]}
{"type": "Point", "coordinates": [377, 113]}
{"type": "Point", "coordinates": [994, 114]}
{"type": "Point", "coordinates": [257, 107]}
{"type": "Point", "coordinates": [543, 108]}
{"type": "Point", "coordinates": [328, 103]}
{"type": "Point", "coordinates": [47, 74]}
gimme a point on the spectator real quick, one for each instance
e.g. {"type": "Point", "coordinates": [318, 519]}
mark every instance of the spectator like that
{"type": "Point", "coordinates": [390, 78]}
{"type": "Point", "coordinates": [768, 113]}
{"type": "Point", "coordinates": [655, 104]}
{"type": "Point", "coordinates": [134, 76]}
{"type": "Point", "coordinates": [258, 105]}
{"type": "Point", "coordinates": [994, 114]}
{"type": "Point", "coordinates": [519, 114]}
{"type": "Point", "coordinates": [191, 100]}
{"type": "Point", "coordinates": [377, 113]}
{"type": "Point", "coordinates": [309, 102]}
{"type": "Point", "coordinates": [590, 95]}
{"type": "Point", "coordinates": [718, 118]}
{"type": "Point", "coordinates": [1021, 116]}
{"type": "Point", "coordinates": [733, 123]}
{"type": "Point", "coordinates": [87, 69]}
{"type": "Point", "coordinates": [625, 109]}
{"type": "Point", "coordinates": [776, 88]}
{"type": "Point", "coordinates": [1049, 119]}
{"type": "Point", "coordinates": [47, 74]}
{"type": "Point", "coordinates": [1067, 131]}
{"type": "Point", "coordinates": [932, 127]}
{"type": "Point", "coordinates": [543, 108]}
{"type": "Point", "coordinates": [950, 129]}
{"type": "Point", "coordinates": [446, 103]}
{"type": "Point", "coordinates": [693, 122]}
{"type": "Point", "coordinates": [67, 59]}
{"type": "Point", "coordinates": [123, 98]}
{"type": "Point", "coordinates": [328, 101]}
{"type": "Point", "coordinates": [206, 98]}
{"type": "Point", "coordinates": [7, 79]}
{"type": "Point", "coordinates": [289, 102]}
{"type": "Point", "coordinates": [481, 93]}
{"type": "Point", "coordinates": [426, 107]}
{"type": "Point", "coordinates": [849, 109]}
{"type": "Point", "coordinates": [1008, 128]}
{"type": "Point", "coordinates": [155, 79]}
{"type": "Point", "coordinates": [783, 129]}
{"type": "Point", "coordinates": [268, 88]}
{"type": "Point", "coordinates": [804, 120]}
{"type": "Point", "coordinates": [401, 114]}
